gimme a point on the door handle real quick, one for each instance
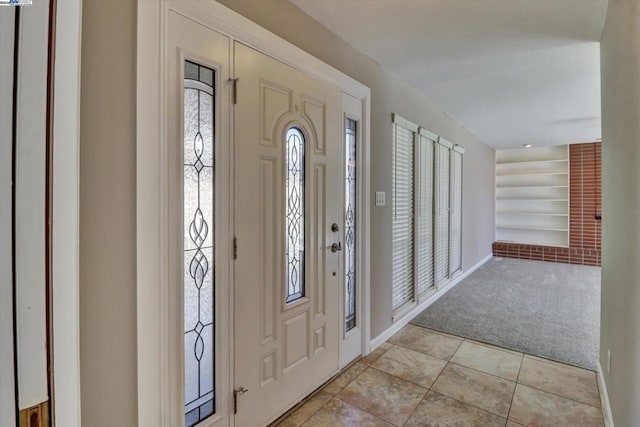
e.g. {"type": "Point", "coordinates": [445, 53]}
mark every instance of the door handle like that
{"type": "Point", "coordinates": [336, 247]}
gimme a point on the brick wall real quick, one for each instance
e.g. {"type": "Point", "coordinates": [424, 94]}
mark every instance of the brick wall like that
{"type": "Point", "coordinates": [584, 256]}
{"type": "Point", "coordinates": [585, 198]}
{"type": "Point", "coordinates": [585, 165]}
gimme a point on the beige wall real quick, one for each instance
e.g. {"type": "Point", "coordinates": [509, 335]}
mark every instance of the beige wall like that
{"type": "Point", "coordinates": [107, 214]}
{"type": "Point", "coordinates": [107, 186]}
{"type": "Point", "coordinates": [388, 95]}
{"type": "Point", "coordinates": [620, 313]}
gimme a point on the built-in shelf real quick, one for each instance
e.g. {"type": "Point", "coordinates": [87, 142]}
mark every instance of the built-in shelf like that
{"type": "Point", "coordinates": [532, 162]}
{"type": "Point", "coordinates": [541, 172]}
{"type": "Point", "coordinates": [531, 186]}
{"type": "Point", "coordinates": [527, 242]}
{"type": "Point", "coordinates": [535, 179]}
{"type": "Point", "coordinates": [531, 213]}
{"type": "Point", "coordinates": [528, 227]}
{"type": "Point", "coordinates": [531, 199]}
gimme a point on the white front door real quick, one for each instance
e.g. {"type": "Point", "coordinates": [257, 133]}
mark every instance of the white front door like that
{"type": "Point", "coordinates": [288, 193]}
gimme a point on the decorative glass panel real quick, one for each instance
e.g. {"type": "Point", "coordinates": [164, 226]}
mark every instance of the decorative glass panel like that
{"type": "Point", "coordinates": [198, 236]}
{"type": "Point", "coordinates": [350, 225]}
{"type": "Point", "coordinates": [294, 200]}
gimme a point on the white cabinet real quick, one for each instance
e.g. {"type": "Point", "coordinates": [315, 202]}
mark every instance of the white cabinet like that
{"type": "Point", "coordinates": [532, 196]}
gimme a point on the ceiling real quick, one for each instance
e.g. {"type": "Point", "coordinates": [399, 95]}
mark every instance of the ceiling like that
{"type": "Point", "coordinates": [513, 72]}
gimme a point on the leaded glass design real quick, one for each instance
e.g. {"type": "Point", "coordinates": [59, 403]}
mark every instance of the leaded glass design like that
{"type": "Point", "coordinates": [350, 225]}
{"type": "Point", "coordinates": [295, 209]}
{"type": "Point", "coordinates": [198, 237]}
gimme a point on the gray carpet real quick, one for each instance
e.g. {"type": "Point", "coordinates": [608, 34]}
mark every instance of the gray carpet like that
{"type": "Point", "coordinates": [539, 308]}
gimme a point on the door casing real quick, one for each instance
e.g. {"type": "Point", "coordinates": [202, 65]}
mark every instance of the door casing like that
{"type": "Point", "coordinates": [155, 394]}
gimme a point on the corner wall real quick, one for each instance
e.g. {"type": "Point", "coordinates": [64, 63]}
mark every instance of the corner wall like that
{"type": "Point", "coordinates": [389, 94]}
{"type": "Point", "coordinates": [620, 312]}
{"type": "Point", "coordinates": [108, 367]}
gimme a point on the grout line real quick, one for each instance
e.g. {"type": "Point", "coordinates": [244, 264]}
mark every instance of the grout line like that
{"type": "Point", "coordinates": [399, 378]}
{"type": "Point", "coordinates": [483, 372]}
{"type": "Point", "coordinates": [559, 395]}
{"type": "Point", "coordinates": [363, 410]}
{"type": "Point", "coordinates": [516, 387]}
{"type": "Point", "coordinates": [418, 351]}
{"type": "Point", "coordinates": [468, 404]}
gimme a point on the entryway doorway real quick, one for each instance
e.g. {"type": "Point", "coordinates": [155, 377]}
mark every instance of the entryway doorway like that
{"type": "Point", "coordinates": [264, 172]}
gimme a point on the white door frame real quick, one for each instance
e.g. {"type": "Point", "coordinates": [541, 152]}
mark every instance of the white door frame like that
{"type": "Point", "coordinates": [7, 375]}
{"type": "Point", "coordinates": [65, 214]}
{"type": "Point", "coordinates": [151, 180]}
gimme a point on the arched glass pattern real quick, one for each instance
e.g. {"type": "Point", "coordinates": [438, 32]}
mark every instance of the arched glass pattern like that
{"type": "Point", "coordinates": [295, 213]}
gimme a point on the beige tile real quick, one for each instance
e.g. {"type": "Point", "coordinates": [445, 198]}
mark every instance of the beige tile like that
{"type": "Point", "coordinates": [513, 424]}
{"type": "Point", "coordinates": [538, 408]}
{"type": "Point", "coordinates": [564, 380]}
{"type": "Point", "coordinates": [413, 366]}
{"type": "Point", "coordinates": [383, 395]}
{"type": "Point", "coordinates": [426, 341]}
{"type": "Point", "coordinates": [437, 410]}
{"type": "Point", "coordinates": [507, 350]}
{"type": "Point", "coordinates": [345, 378]}
{"type": "Point", "coordinates": [476, 388]}
{"type": "Point", "coordinates": [439, 333]}
{"type": "Point", "coordinates": [303, 413]}
{"type": "Point", "coordinates": [337, 413]}
{"type": "Point", "coordinates": [375, 354]}
{"type": "Point", "coordinates": [488, 359]}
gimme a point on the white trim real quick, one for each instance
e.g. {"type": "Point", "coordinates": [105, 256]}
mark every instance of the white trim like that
{"type": "Point", "coordinates": [366, 141]}
{"type": "Point", "coordinates": [445, 143]}
{"type": "Point", "coordinates": [401, 121]}
{"type": "Point", "coordinates": [66, 172]}
{"type": "Point", "coordinates": [7, 373]}
{"type": "Point", "coordinates": [607, 414]}
{"type": "Point", "coordinates": [154, 373]}
{"type": "Point", "coordinates": [153, 390]}
{"type": "Point", "coordinates": [30, 189]}
{"type": "Point", "coordinates": [401, 322]}
{"type": "Point", "coordinates": [458, 149]}
{"type": "Point", "coordinates": [427, 133]}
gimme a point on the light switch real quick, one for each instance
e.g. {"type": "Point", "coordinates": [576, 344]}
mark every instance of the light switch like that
{"type": "Point", "coordinates": [381, 198]}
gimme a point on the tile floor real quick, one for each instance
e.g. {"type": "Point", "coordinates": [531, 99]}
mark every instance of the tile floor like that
{"type": "Point", "coordinates": [421, 377]}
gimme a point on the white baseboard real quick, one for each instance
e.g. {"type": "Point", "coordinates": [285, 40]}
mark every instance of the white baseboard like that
{"type": "Point", "coordinates": [400, 323]}
{"type": "Point", "coordinates": [604, 398]}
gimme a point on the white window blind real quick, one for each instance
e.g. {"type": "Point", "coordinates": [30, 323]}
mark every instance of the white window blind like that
{"type": "Point", "coordinates": [424, 214]}
{"type": "Point", "coordinates": [443, 159]}
{"type": "Point", "coordinates": [403, 208]}
{"type": "Point", "coordinates": [456, 211]}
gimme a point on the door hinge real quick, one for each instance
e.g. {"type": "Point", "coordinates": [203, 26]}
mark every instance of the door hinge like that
{"type": "Point", "coordinates": [234, 89]}
{"type": "Point", "coordinates": [235, 247]}
{"type": "Point", "coordinates": [239, 391]}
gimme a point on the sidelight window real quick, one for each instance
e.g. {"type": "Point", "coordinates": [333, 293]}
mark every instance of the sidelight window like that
{"type": "Point", "coordinates": [199, 277]}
